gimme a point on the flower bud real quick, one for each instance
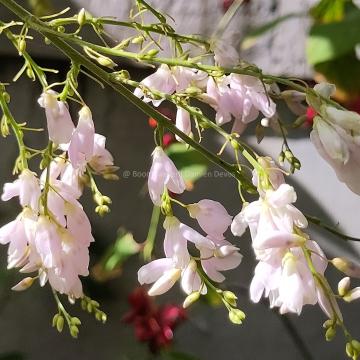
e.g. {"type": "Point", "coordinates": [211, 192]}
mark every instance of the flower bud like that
{"type": "Point", "coordinates": [330, 333]}
{"type": "Point", "coordinates": [81, 18]}
{"type": "Point", "coordinates": [74, 331]}
{"type": "Point", "coordinates": [138, 40]}
{"type": "Point", "coordinates": [352, 295]}
{"type": "Point", "coordinates": [22, 46]}
{"type": "Point", "coordinates": [102, 210]}
{"type": "Point", "coordinates": [60, 323]}
{"type": "Point", "coordinates": [347, 267]}
{"type": "Point", "coordinates": [344, 286]}
{"type": "Point", "coordinates": [4, 126]}
{"type": "Point", "coordinates": [106, 62]}
{"type": "Point", "coordinates": [230, 297]}
{"type": "Point", "coordinates": [23, 284]}
{"type": "Point", "coordinates": [236, 316]}
{"type": "Point", "coordinates": [190, 299]}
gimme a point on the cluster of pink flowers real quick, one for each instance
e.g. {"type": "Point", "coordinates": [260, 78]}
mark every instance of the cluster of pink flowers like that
{"type": "Point", "coordinates": [238, 97]}
{"type": "Point", "coordinates": [282, 273]}
{"type": "Point", "coordinates": [52, 233]}
{"type": "Point", "coordinates": [215, 253]}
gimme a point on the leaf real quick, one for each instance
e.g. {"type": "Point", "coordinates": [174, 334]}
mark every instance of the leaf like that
{"type": "Point", "coordinates": [327, 11]}
{"type": "Point", "coordinates": [189, 162]}
{"type": "Point", "coordinates": [330, 41]}
{"type": "Point", "coordinates": [252, 36]}
{"type": "Point", "coordinates": [110, 265]}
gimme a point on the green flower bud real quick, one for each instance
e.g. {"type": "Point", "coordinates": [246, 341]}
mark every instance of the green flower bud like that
{"type": "Point", "coordinates": [152, 52]}
{"type": "Point", "coordinates": [75, 321]}
{"type": "Point", "coordinates": [81, 18]}
{"type": "Point", "coordinates": [330, 333]}
{"type": "Point", "coordinates": [355, 345]}
{"type": "Point", "coordinates": [106, 62]}
{"type": "Point", "coordinates": [54, 320]}
{"type": "Point", "coordinates": [22, 46]}
{"type": "Point", "coordinates": [236, 316]}
{"type": "Point", "coordinates": [230, 297]}
{"type": "Point", "coordinates": [190, 299]}
{"type": "Point", "coordinates": [138, 40]}
{"type": "Point", "coordinates": [60, 323]}
{"type": "Point", "coordinates": [74, 331]}
{"type": "Point", "coordinates": [349, 350]}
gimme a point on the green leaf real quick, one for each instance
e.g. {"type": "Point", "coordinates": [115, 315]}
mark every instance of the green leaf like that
{"type": "Point", "coordinates": [124, 247]}
{"type": "Point", "coordinates": [189, 162]}
{"type": "Point", "coordinates": [329, 10]}
{"type": "Point", "coordinates": [111, 263]}
{"type": "Point", "coordinates": [330, 41]}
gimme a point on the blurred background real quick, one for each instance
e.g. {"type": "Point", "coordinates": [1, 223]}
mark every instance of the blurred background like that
{"type": "Point", "coordinates": [308, 39]}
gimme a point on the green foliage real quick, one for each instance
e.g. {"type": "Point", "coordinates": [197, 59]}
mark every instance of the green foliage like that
{"type": "Point", "coordinates": [327, 11]}
{"type": "Point", "coordinates": [331, 41]}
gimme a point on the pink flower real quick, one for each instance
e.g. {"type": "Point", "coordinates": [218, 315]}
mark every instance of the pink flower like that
{"type": "Point", "coordinates": [26, 187]}
{"type": "Point", "coordinates": [211, 216]}
{"type": "Point", "coordinates": [163, 175]}
{"type": "Point", "coordinates": [101, 158]}
{"type": "Point", "coordinates": [183, 122]}
{"type": "Point", "coordinates": [81, 146]}
{"type": "Point", "coordinates": [59, 123]}
{"type": "Point", "coordinates": [224, 257]}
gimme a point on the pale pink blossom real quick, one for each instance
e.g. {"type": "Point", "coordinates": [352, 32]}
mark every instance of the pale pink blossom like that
{"type": "Point", "coordinates": [169, 80]}
{"type": "Point", "coordinates": [163, 175]}
{"type": "Point", "coordinates": [271, 220]}
{"type": "Point", "coordinates": [224, 257]}
{"type": "Point", "coordinates": [26, 187]}
{"type": "Point", "coordinates": [183, 122]}
{"type": "Point", "coordinates": [239, 96]}
{"type": "Point", "coordinates": [286, 279]}
{"type": "Point", "coordinates": [81, 146]}
{"type": "Point", "coordinates": [211, 216]}
{"type": "Point", "coordinates": [17, 234]}
{"type": "Point", "coordinates": [101, 158]}
{"type": "Point", "coordinates": [59, 123]}
{"type": "Point", "coordinates": [338, 142]}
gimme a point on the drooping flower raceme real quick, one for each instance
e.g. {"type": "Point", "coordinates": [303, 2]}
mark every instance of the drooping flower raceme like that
{"type": "Point", "coordinates": [52, 234]}
{"type": "Point", "coordinates": [283, 273]}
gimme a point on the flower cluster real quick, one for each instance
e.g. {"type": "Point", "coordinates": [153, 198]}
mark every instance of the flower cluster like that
{"type": "Point", "coordinates": [287, 257]}
{"type": "Point", "coordinates": [52, 233]}
{"type": "Point", "coordinates": [215, 253]}
{"type": "Point", "coordinates": [238, 97]}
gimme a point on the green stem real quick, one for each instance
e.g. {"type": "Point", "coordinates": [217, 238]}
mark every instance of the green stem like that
{"type": "Point", "coordinates": [62, 44]}
{"type": "Point", "coordinates": [330, 229]}
{"type": "Point", "coordinates": [150, 239]}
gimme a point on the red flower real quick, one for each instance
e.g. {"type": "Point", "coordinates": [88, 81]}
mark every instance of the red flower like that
{"type": "Point", "coordinates": [153, 324]}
